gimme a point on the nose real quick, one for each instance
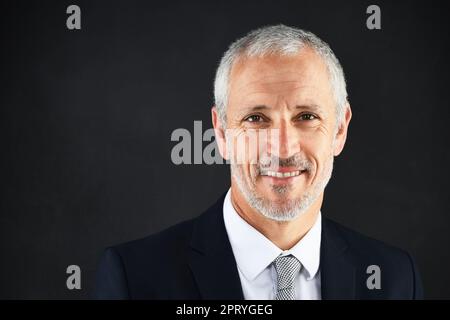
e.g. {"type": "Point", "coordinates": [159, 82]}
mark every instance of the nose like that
{"type": "Point", "coordinates": [288, 140]}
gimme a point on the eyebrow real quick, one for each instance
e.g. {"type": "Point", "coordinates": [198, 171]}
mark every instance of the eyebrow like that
{"type": "Point", "coordinates": [311, 107]}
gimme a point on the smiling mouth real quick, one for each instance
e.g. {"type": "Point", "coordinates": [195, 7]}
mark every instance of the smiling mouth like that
{"type": "Point", "coordinates": [278, 174]}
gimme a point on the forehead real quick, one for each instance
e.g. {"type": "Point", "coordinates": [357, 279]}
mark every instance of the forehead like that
{"type": "Point", "coordinates": [300, 76]}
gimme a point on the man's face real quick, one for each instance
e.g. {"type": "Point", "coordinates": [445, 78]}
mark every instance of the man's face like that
{"type": "Point", "coordinates": [293, 95]}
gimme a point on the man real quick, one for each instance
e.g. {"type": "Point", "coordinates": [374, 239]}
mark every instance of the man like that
{"type": "Point", "coordinates": [266, 238]}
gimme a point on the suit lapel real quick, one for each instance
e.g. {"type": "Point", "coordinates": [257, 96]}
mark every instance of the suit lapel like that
{"type": "Point", "coordinates": [337, 270]}
{"type": "Point", "coordinates": [211, 258]}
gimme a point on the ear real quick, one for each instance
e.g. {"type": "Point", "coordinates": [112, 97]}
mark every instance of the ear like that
{"type": "Point", "coordinates": [219, 131]}
{"type": "Point", "coordinates": [341, 135]}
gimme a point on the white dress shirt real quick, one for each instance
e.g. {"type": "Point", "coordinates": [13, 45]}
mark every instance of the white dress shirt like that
{"type": "Point", "coordinates": [254, 254]}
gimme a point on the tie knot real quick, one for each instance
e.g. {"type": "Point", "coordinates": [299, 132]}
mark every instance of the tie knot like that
{"type": "Point", "coordinates": [287, 268]}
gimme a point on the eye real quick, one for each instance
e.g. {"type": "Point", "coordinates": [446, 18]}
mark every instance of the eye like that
{"type": "Point", "coordinates": [307, 117]}
{"type": "Point", "coordinates": [254, 118]}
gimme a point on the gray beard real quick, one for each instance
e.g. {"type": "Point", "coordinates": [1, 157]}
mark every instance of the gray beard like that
{"type": "Point", "coordinates": [289, 209]}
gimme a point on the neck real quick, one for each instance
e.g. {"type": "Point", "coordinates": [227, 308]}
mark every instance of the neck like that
{"type": "Point", "coordinates": [284, 234]}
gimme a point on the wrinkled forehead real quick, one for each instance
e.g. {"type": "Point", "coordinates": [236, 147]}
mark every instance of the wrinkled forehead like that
{"type": "Point", "coordinates": [304, 74]}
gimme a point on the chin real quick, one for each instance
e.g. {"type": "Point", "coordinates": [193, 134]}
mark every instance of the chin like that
{"type": "Point", "coordinates": [280, 193]}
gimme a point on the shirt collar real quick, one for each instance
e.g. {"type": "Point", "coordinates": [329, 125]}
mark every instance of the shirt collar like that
{"type": "Point", "coordinates": [254, 252]}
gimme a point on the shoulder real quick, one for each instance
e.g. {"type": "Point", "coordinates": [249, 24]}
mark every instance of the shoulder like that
{"type": "Point", "coordinates": [139, 268]}
{"type": "Point", "coordinates": [163, 244]}
{"type": "Point", "coordinates": [399, 273]}
{"type": "Point", "coordinates": [364, 246]}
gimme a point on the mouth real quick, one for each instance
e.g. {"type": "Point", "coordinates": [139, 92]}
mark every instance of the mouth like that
{"type": "Point", "coordinates": [282, 174]}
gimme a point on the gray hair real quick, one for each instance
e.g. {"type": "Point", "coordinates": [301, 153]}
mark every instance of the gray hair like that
{"type": "Point", "coordinates": [283, 40]}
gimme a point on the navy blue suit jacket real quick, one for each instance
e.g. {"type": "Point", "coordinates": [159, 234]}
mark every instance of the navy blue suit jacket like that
{"type": "Point", "coordinates": [194, 260]}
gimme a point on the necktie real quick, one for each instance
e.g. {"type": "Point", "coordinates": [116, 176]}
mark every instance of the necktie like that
{"type": "Point", "coordinates": [287, 268]}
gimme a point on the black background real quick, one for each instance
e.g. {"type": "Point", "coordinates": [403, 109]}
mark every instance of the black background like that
{"type": "Point", "coordinates": [87, 115]}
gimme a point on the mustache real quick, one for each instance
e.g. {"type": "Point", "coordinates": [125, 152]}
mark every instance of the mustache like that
{"type": "Point", "coordinates": [296, 161]}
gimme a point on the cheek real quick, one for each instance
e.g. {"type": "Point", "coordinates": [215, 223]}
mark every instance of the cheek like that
{"type": "Point", "coordinates": [249, 171]}
{"type": "Point", "coordinates": [246, 146]}
{"type": "Point", "coordinates": [236, 146]}
{"type": "Point", "coordinates": [312, 145]}
{"type": "Point", "coordinates": [317, 150]}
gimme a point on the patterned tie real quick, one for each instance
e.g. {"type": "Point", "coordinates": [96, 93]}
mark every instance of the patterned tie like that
{"type": "Point", "coordinates": [287, 268]}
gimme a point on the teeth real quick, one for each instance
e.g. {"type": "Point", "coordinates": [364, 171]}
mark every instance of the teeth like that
{"type": "Point", "coordinates": [281, 174]}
